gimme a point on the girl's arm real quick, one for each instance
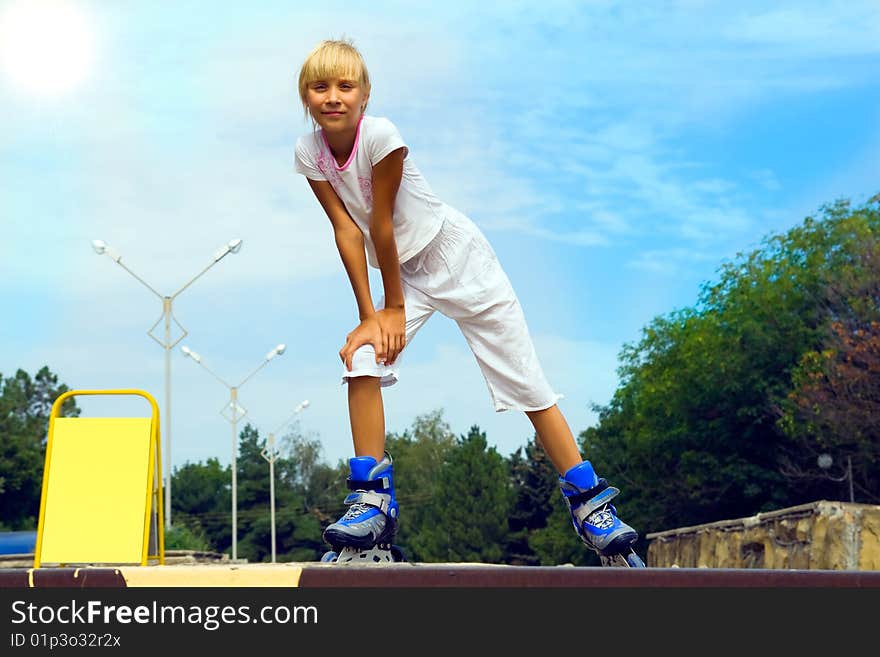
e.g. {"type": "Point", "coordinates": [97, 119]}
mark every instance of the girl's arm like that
{"type": "Point", "coordinates": [350, 243]}
{"type": "Point", "coordinates": [387, 174]}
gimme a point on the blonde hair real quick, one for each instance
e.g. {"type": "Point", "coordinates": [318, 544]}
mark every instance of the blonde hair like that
{"type": "Point", "coordinates": [333, 59]}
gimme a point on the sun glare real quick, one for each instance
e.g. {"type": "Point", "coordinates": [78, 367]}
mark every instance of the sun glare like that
{"type": "Point", "coordinates": [46, 46]}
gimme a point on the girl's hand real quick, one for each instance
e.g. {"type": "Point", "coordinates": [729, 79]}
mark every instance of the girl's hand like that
{"type": "Point", "coordinates": [392, 322]}
{"type": "Point", "coordinates": [367, 332]}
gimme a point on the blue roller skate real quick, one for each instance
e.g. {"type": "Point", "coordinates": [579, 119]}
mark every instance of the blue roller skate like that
{"type": "Point", "coordinates": [366, 532]}
{"type": "Point", "coordinates": [595, 518]}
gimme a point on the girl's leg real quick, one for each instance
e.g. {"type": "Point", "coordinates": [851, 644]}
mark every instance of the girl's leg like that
{"type": "Point", "coordinates": [366, 411]}
{"type": "Point", "coordinates": [371, 517]}
{"type": "Point", "coordinates": [556, 438]}
{"type": "Point", "coordinates": [367, 416]}
{"type": "Point", "coordinates": [587, 497]}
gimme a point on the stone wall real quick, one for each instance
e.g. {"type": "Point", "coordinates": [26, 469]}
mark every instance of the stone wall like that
{"type": "Point", "coordinates": [816, 536]}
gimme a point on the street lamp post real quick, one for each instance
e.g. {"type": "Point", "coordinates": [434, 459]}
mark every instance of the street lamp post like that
{"type": "Point", "coordinates": [102, 248]}
{"type": "Point", "coordinates": [825, 461]}
{"type": "Point", "coordinates": [271, 455]}
{"type": "Point", "coordinates": [235, 413]}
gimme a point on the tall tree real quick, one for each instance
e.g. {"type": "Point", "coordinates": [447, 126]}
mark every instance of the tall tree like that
{"type": "Point", "coordinates": [469, 519]}
{"type": "Point", "coordinates": [297, 531]}
{"type": "Point", "coordinates": [535, 489]}
{"type": "Point", "coordinates": [319, 487]}
{"type": "Point", "coordinates": [691, 434]}
{"type": "Point", "coordinates": [313, 496]}
{"type": "Point", "coordinates": [419, 454]}
{"type": "Point", "coordinates": [254, 524]}
{"type": "Point", "coordinates": [25, 406]}
{"type": "Point", "coordinates": [202, 501]}
{"type": "Point", "coordinates": [835, 402]}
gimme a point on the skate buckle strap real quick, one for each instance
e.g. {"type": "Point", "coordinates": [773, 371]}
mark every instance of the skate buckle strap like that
{"type": "Point", "coordinates": [382, 483]}
{"type": "Point", "coordinates": [584, 510]}
{"type": "Point", "coordinates": [366, 497]}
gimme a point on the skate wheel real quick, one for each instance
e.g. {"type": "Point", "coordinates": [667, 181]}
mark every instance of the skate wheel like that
{"type": "Point", "coordinates": [613, 561]}
{"type": "Point", "coordinates": [397, 553]}
{"type": "Point", "coordinates": [329, 557]}
{"type": "Point", "coordinates": [629, 560]}
{"type": "Point", "coordinates": [634, 561]}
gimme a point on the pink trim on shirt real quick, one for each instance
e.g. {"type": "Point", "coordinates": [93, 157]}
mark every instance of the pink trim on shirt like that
{"type": "Point", "coordinates": [357, 138]}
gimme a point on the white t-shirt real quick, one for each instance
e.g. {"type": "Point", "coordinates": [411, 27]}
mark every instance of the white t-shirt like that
{"type": "Point", "coordinates": [417, 214]}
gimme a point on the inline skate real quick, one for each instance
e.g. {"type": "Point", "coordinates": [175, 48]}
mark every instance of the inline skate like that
{"type": "Point", "coordinates": [595, 519]}
{"type": "Point", "coordinates": [365, 533]}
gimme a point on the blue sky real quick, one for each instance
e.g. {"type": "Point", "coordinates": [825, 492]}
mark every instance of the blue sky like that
{"type": "Point", "coordinates": [615, 154]}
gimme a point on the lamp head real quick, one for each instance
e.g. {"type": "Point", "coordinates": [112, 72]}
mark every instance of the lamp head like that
{"type": "Point", "coordinates": [277, 351]}
{"type": "Point", "coordinates": [102, 248]}
{"type": "Point", "coordinates": [189, 353]}
{"type": "Point", "coordinates": [232, 246]}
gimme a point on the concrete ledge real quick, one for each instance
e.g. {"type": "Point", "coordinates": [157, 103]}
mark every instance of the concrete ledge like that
{"type": "Point", "coordinates": [821, 535]}
{"type": "Point", "coordinates": [457, 575]}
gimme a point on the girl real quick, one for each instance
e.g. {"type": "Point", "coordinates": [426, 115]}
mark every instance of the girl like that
{"type": "Point", "coordinates": [431, 257]}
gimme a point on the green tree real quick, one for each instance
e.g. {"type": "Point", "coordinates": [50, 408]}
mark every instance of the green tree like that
{"type": "Point", "coordinates": [25, 407]}
{"type": "Point", "coordinates": [835, 401]}
{"type": "Point", "coordinates": [317, 491]}
{"type": "Point", "coordinates": [470, 517]}
{"type": "Point", "coordinates": [202, 502]}
{"type": "Point", "coordinates": [691, 434]}
{"type": "Point", "coordinates": [297, 530]}
{"type": "Point", "coordinates": [319, 487]}
{"type": "Point", "coordinates": [419, 454]}
{"type": "Point", "coordinates": [254, 525]}
{"type": "Point", "coordinates": [535, 488]}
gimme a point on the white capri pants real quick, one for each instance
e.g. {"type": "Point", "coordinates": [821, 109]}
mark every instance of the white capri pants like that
{"type": "Point", "coordinates": [458, 274]}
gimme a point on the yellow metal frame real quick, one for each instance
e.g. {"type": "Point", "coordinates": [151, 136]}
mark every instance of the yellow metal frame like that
{"type": "Point", "coordinates": [154, 494]}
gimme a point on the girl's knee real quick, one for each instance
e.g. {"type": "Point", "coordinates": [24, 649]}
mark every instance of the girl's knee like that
{"type": "Point", "coordinates": [364, 358]}
{"type": "Point", "coordinates": [364, 366]}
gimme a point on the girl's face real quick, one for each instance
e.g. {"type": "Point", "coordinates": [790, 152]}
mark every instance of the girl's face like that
{"type": "Point", "coordinates": [336, 104]}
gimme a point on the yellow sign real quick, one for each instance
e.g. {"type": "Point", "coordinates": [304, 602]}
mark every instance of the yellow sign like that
{"type": "Point", "coordinates": [102, 488]}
